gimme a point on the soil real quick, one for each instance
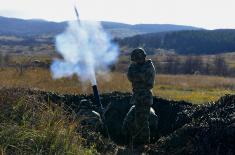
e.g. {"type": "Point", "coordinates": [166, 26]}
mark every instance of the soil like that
{"type": "Point", "coordinates": [183, 128]}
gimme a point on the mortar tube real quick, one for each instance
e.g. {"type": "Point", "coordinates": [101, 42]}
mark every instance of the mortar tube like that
{"type": "Point", "coordinates": [97, 96]}
{"type": "Point", "coordinates": [97, 100]}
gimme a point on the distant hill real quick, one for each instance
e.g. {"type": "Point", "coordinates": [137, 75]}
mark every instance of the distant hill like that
{"type": "Point", "coordinates": [13, 26]}
{"type": "Point", "coordinates": [186, 42]}
{"type": "Point", "coordinates": [121, 30]}
{"type": "Point", "coordinates": [182, 39]}
{"type": "Point", "coordinates": [20, 27]}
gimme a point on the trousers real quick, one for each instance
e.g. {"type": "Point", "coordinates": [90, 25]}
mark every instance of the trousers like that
{"type": "Point", "coordinates": [136, 121]}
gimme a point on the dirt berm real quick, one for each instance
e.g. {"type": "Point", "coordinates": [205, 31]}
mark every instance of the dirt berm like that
{"type": "Point", "coordinates": [183, 128]}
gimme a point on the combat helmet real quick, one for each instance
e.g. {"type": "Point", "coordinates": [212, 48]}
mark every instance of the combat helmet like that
{"type": "Point", "coordinates": [138, 54]}
{"type": "Point", "coordinates": [85, 104]}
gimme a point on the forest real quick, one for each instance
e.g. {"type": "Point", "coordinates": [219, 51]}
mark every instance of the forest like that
{"type": "Point", "coordinates": [195, 42]}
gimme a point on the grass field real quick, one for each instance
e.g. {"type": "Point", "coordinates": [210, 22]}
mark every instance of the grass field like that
{"type": "Point", "coordinates": [30, 126]}
{"type": "Point", "coordinates": [193, 88]}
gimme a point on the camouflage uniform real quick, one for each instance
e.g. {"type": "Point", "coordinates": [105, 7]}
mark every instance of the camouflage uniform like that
{"type": "Point", "coordinates": [142, 76]}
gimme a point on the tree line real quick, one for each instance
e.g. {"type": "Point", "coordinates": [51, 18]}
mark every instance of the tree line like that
{"type": "Point", "coordinates": [172, 64]}
{"type": "Point", "coordinates": [185, 42]}
{"type": "Point", "coordinates": [194, 65]}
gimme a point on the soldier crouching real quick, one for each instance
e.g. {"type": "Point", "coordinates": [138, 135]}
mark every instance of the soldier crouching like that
{"type": "Point", "coordinates": [141, 74]}
{"type": "Point", "coordinates": [89, 119]}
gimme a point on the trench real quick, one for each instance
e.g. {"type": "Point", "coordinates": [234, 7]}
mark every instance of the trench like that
{"type": "Point", "coordinates": [171, 114]}
{"type": "Point", "coordinates": [183, 128]}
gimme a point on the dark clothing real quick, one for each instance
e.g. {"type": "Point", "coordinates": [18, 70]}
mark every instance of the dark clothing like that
{"type": "Point", "coordinates": [142, 77]}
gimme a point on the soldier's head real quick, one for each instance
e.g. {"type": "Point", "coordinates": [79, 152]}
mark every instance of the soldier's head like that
{"type": "Point", "coordinates": [85, 104]}
{"type": "Point", "coordinates": [138, 55]}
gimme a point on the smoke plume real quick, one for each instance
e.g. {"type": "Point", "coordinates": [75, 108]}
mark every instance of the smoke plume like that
{"type": "Point", "coordinates": [86, 49]}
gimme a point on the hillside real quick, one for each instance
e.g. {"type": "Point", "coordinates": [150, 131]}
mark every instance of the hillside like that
{"type": "Point", "coordinates": [186, 42]}
{"type": "Point", "coordinates": [13, 26]}
{"type": "Point", "coordinates": [19, 27]}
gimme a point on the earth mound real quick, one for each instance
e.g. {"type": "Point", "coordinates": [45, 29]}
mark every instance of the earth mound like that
{"type": "Point", "coordinates": [183, 128]}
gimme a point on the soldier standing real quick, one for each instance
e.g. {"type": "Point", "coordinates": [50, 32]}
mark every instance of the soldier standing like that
{"type": "Point", "coordinates": [141, 74]}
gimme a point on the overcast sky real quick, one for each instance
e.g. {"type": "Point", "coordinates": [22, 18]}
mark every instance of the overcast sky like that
{"type": "Point", "coordinates": [209, 14]}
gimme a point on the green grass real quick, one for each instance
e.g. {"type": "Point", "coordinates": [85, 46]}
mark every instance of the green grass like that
{"type": "Point", "coordinates": [196, 96]}
{"type": "Point", "coordinates": [30, 127]}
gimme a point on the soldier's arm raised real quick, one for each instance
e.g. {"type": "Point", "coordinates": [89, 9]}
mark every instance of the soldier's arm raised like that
{"type": "Point", "coordinates": [133, 74]}
{"type": "Point", "coordinates": [150, 74]}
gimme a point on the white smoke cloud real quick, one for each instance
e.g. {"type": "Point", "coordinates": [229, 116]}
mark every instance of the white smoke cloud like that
{"type": "Point", "coordinates": [86, 49]}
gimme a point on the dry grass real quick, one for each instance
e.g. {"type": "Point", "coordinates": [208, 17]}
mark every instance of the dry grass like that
{"type": "Point", "coordinates": [29, 125]}
{"type": "Point", "coordinates": [196, 89]}
{"type": "Point", "coordinates": [188, 82]}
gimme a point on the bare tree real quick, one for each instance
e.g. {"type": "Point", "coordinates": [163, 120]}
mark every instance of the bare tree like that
{"type": "Point", "coordinates": [1, 60]}
{"type": "Point", "coordinates": [4, 59]}
{"type": "Point", "coordinates": [7, 59]}
{"type": "Point", "coordinates": [188, 65]}
{"type": "Point", "coordinates": [220, 66]}
{"type": "Point", "coordinates": [172, 64]}
{"type": "Point", "coordinates": [192, 64]}
{"type": "Point", "coordinates": [207, 69]}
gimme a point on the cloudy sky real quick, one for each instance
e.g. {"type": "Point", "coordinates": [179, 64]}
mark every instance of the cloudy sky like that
{"type": "Point", "coordinates": [209, 14]}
